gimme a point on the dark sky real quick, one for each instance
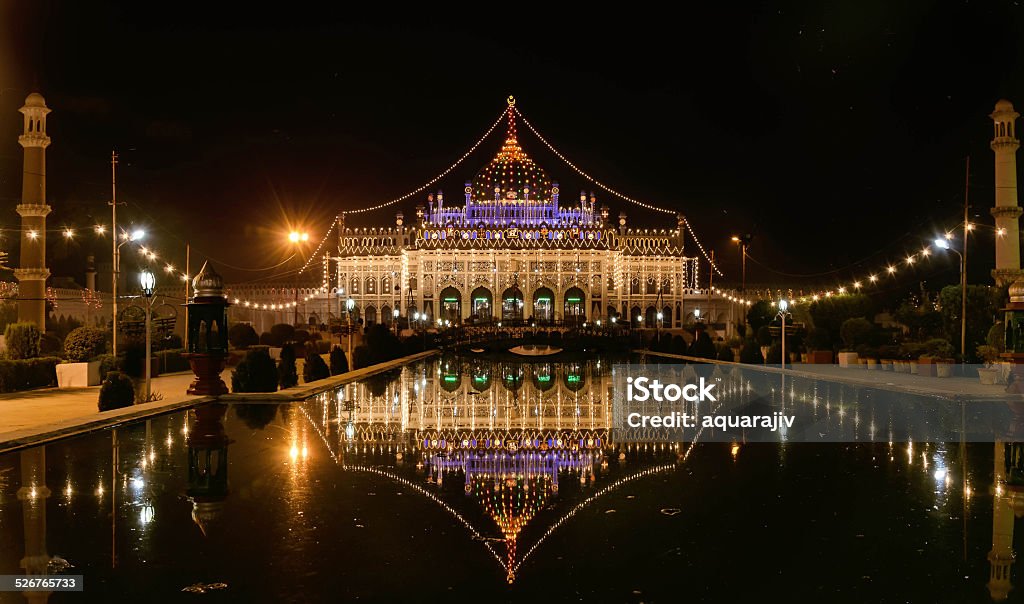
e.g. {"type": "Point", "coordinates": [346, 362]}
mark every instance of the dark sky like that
{"type": "Point", "coordinates": [833, 133]}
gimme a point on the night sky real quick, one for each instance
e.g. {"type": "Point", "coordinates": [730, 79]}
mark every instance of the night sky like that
{"type": "Point", "coordinates": [834, 134]}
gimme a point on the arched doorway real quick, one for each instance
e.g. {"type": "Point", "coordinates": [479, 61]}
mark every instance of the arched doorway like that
{"type": "Point", "coordinates": [650, 317]}
{"type": "Point", "coordinates": [371, 315]}
{"type": "Point", "coordinates": [544, 305]}
{"type": "Point", "coordinates": [512, 304]}
{"type": "Point", "coordinates": [575, 309]}
{"type": "Point", "coordinates": [481, 304]}
{"type": "Point", "coordinates": [636, 317]}
{"type": "Point", "coordinates": [385, 315]}
{"type": "Point", "coordinates": [451, 305]}
{"type": "Point", "coordinates": [666, 318]}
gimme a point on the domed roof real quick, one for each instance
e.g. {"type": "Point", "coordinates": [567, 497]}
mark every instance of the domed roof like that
{"type": "Point", "coordinates": [1016, 290]}
{"type": "Point", "coordinates": [208, 282]}
{"type": "Point", "coordinates": [1004, 105]}
{"type": "Point", "coordinates": [512, 172]}
{"type": "Point", "coordinates": [35, 100]}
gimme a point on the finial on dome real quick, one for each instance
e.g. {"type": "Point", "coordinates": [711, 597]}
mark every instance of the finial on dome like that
{"type": "Point", "coordinates": [1016, 290]}
{"type": "Point", "coordinates": [511, 101]}
{"type": "Point", "coordinates": [208, 282]}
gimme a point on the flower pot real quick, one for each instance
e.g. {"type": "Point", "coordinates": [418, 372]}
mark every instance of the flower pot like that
{"type": "Point", "coordinates": [846, 359]}
{"type": "Point", "coordinates": [988, 376]}
{"type": "Point", "coordinates": [820, 357]}
{"type": "Point", "coordinates": [926, 366]}
{"type": "Point", "coordinates": [873, 364]}
{"type": "Point", "coordinates": [887, 364]}
{"type": "Point", "coordinates": [914, 367]}
{"type": "Point", "coordinates": [794, 357]}
{"type": "Point", "coordinates": [804, 357]}
{"type": "Point", "coordinates": [78, 375]}
{"type": "Point", "coordinates": [943, 369]}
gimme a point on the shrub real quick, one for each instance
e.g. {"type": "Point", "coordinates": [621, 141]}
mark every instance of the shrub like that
{"type": "Point", "coordinates": [324, 347]}
{"type": "Point", "coordinates": [911, 350]}
{"type": "Point", "coordinates": [751, 353]}
{"type": "Point", "coordinates": [50, 345]}
{"type": "Point", "coordinates": [988, 354]}
{"type": "Point", "coordinates": [282, 333]}
{"type": "Point", "coordinates": [725, 353]}
{"type": "Point", "coordinates": [819, 339]}
{"type": "Point", "coordinates": [242, 335]}
{"type": "Point", "coordinates": [22, 340]}
{"type": "Point", "coordinates": [774, 354]}
{"type": "Point", "coordinates": [84, 344]}
{"type": "Point", "coordinates": [23, 374]}
{"type": "Point", "coordinates": [678, 345]}
{"type": "Point", "coordinates": [339, 362]}
{"type": "Point", "coordinates": [108, 363]}
{"type": "Point", "coordinates": [301, 337]}
{"type": "Point", "coordinates": [116, 392]}
{"type": "Point", "coordinates": [764, 336]}
{"type": "Point", "coordinates": [256, 415]}
{"type": "Point", "coordinates": [856, 332]}
{"type": "Point", "coordinates": [315, 335]}
{"type": "Point", "coordinates": [315, 368]}
{"type": "Point", "coordinates": [257, 372]}
{"type": "Point", "coordinates": [703, 347]}
{"type": "Point", "coordinates": [938, 348]}
{"type": "Point", "coordinates": [361, 357]}
{"type": "Point", "coordinates": [287, 374]}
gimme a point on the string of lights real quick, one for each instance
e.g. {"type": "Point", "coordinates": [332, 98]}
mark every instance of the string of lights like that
{"type": "Point", "coordinates": [608, 189]}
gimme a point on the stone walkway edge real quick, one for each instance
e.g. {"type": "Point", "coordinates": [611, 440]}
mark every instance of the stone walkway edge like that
{"type": "Point", "coordinates": [44, 433]}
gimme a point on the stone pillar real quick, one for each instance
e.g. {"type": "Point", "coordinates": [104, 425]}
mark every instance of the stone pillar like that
{"type": "Point", "coordinates": [90, 272]}
{"type": "Point", "coordinates": [1006, 211]}
{"type": "Point", "coordinates": [32, 272]}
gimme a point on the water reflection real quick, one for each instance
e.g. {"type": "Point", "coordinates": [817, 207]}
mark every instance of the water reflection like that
{"type": "Point", "coordinates": [519, 458]}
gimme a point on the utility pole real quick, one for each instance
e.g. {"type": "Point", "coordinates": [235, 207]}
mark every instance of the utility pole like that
{"type": "Point", "coordinates": [188, 279]}
{"type": "Point", "coordinates": [963, 270]}
{"type": "Point", "coordinates": [113, 237]}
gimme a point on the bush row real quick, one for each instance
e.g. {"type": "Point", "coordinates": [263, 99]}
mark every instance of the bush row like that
{"type": "Point", "coordinates": [22, 374]}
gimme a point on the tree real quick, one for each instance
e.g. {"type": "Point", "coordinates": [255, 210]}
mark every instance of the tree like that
{"type": "Point", "coordinates": [84, 344]}
{"type": "Point", "coordinates": [281, 334]}
{"type": "Point", "coordinates": [116, 392]}
{"type": "Point", "coordinates": [759, 315]}
{"type": "Point", "coordinates": [982, 305]}
{"type": "Point", "coordinates": [856, 332]}
{"type": "Point", "coordinates": [314, 368]}
{"type": "Point", "coordinates": [829, 313]}
{"type": "Point", "coordinates": [256, 372]}
{"type": "Point", "coordinates": [702, 346]}
{"type": "Point", "coordinates": [287, 374]}
{"type": "Point", "coordinates": [22, 340]}
{"type": "Point", "coordinates": [922, 320]}
{"type": "Point", "coordinates": [339, 362]}
{"type": "Point", "coordinates": [242, 335]}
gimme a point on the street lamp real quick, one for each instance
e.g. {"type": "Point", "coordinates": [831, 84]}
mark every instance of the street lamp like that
{"type": "Point", "coordinates": [349, 305]}
{"type": "Point", "coordinates": [148, 283]}
{"type": "Point", "coordinates": [743, 241]}
{"type": "Point", "coordinates": [943, 244]}
{"type": "Point", "coordinates": [126, 237]}
{"type": "Point", "coordinates": [394, 319]}
{"type": "Point", "coordinates": [783, 312]}
{"type": "Point", "coordinates": [296, 237]}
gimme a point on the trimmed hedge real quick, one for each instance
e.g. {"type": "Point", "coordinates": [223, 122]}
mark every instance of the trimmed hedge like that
{"type": "Point", "coordinates": [23, 374]}
{"type": "Point", "coordinates": [22, 340]}
{"type": "Point", "coordinates": [257, 372]}
{"type": "Point", "coordinates": [116, 392]}
{"type": "Point", "coordinates": [84, 344]}
{"type": "Point", "coordinates": [169, 361]}
{"type": "Point", "coordinates": [314, 368]}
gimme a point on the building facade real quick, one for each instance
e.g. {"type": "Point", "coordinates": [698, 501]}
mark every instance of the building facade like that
{"type": "Point", "coordinates": [511, 249]}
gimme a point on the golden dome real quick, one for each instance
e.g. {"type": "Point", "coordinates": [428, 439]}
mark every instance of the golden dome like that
{"type": "Point", "coordinates": [1017, 290]}
{"type": "Point", "coordinates": [35, 100]}
{"type": "Point", "coordinates": [511, 175]}
{"type": "Point", "coordinates": [1004, 105]}
{"type": "Point", "coordinates": [208, 282]}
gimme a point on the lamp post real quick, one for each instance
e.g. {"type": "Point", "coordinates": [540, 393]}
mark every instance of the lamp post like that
{"type": "Point", "coordinates": [349, 305]}
{"type": "Point", "coordinates": [295, 238]}
{"type": "Point", "coordinates": [126, 237]}
{"type": "Point", "coordinates": [943, 244]}
{"type": "Point", "coordinates": [148, 282]}
{"type": "Point", "coordinates": [743, 241]}
{"type": "Point", "coordinates": [394, 319]}
{"type": "Point", "coordinates": [783, 312]}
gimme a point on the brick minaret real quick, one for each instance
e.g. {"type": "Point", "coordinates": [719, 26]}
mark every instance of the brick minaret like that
{"type": "Point", "coordinates": [32, 271]}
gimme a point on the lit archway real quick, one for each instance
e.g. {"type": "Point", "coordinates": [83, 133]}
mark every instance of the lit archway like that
{"type": "Point", "coordinates": [544, 305]}
{"type": "Point", "coordinates": [575, 308]}
{"type": "Point", "coordinates": [512, 304]}
{"type": "Point", "coordinates": [481, 304]}
{"type": "Point", "coordinates": [451, 305]}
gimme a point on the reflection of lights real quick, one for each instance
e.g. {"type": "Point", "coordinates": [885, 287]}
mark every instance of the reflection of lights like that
{"type": "Point", "coordinates": [350, 430]}
{"type": "Point", "coordinates": [940, 474]}
{"type": "Point", "coordinates": [138, 483]}
{"type": "Point", "coordinates": [294, 452]}
{"type": "Point", "coordinates": [968, 491]}
{"type": "Point", "coordinates": [735, 451]}
{"type": "Point", "coordinates": [305, 452]}
{"type": "Point", "coordinates": [146, 514]}
{"type": "Point", "coordinates": [68, 491]}
{"type": "Point", "coordinates": [32, 493]}
{"type": "Point", "coordinates": [99, 491]}
{"type": "Point", "coordinates": [999, 490]}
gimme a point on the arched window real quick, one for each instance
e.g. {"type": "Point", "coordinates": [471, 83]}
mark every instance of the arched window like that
{"type": "Point", "coordinates": [652, 286]}
{"type": "Point", "coordinates": [354, 286]}
{"type": "Point", "coordinates": [634, 286]}
{"type": "Point", "coordinates": [385, 284]}
{"type": "Point", "coordinates": [666, 286]}
{"type": "Point", "coordinates": [371, 285]}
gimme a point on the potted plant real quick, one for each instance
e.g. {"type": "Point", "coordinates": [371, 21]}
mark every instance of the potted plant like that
{"type": "Point", "coordinates": [887, 357]}
{"type": "Point", "coordinates": [989, 374]}
{"type": "Point", "coordinates": [936, 350]}
{"type": "Point", "coordinates": [82, 349]}
{"type": "Point", "coordinates": [869, 355]}
{"type": "Point", "coordinates": [819, 346]}
{"type": "Point", "coordinates": [854, 332]}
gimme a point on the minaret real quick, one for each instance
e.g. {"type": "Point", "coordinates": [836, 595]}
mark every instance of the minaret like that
{"type": "Point", "coordinates": [1001, 557]}
{"type": "Point", "coordinates": [32, 273]}
{"type": "Point", "coordinates": [1006, 211]}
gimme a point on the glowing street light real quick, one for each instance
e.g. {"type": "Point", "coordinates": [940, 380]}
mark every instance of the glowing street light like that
{"type": "Point", "coordinates": [147, 281]}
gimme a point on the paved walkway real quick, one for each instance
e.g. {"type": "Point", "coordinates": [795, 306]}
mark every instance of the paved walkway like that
{"type": "Point", "coordinates": [46, 414]}
{"type": "Point", "coordinates": [968, 388]}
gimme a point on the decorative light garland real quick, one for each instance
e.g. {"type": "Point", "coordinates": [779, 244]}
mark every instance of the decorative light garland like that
{"type": "Point", "coordinates": [622, 196]}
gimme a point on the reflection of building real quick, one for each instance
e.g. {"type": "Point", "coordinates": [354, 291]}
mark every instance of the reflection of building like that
{"type": "Point", "coordinates": [208, 465]}
{"type": "Point", "coordinates": [33, 495]}
{"type": "Point", "coordinates": [510, 248]}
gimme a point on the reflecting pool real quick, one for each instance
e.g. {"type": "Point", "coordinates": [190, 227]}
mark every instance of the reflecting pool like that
{"type": "Point", "coordinates": [464, 480]}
